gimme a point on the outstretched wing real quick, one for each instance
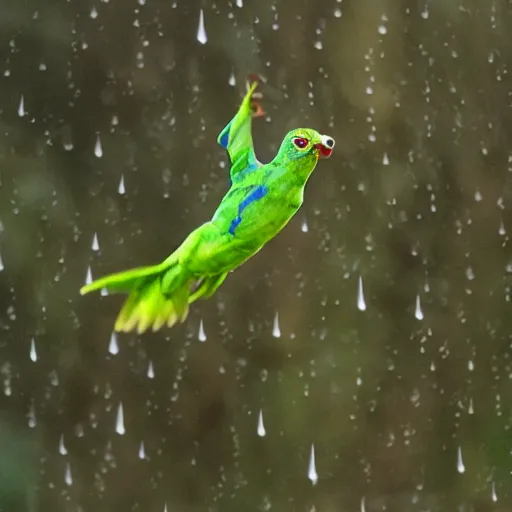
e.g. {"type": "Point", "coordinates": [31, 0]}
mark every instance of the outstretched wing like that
{"type": "Point", "coordinates": [236, 137]}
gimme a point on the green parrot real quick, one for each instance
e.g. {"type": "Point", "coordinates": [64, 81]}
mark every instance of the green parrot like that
{"type": "Point", "coordinates": [261, 201]}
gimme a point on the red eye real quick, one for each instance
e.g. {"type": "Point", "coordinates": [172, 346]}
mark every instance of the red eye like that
{"type": "Point", "coordinates": [300, 142]}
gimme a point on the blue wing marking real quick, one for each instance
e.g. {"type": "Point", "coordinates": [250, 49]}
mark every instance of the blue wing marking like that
{"type": "Point", "coordinates": [259, 192]}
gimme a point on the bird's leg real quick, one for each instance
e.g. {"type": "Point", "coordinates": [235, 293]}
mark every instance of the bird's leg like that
{"type": "Point", "coordinates": [257, 109]}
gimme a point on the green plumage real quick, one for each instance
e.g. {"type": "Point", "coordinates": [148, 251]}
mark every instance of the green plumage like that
{"type": "Point", "coordinates": [261, 201]}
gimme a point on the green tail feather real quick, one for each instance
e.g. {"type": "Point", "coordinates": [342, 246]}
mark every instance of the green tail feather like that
{"type": "Point", "coordinates": [158, 295]}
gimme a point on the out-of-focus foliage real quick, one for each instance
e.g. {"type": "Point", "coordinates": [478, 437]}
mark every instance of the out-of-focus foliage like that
{"type": "Point", "coordinates": [109, 112]}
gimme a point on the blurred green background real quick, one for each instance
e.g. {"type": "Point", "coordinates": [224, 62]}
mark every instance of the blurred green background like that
{"type": "Point", "coordinates": [109, 111]}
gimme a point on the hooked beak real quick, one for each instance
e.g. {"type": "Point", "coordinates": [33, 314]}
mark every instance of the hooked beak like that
{"type": "Point", "coordinates": [325, 146]}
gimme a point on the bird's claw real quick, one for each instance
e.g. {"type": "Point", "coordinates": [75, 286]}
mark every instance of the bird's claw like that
{"type": "Point", "coordinates": [257, 109]}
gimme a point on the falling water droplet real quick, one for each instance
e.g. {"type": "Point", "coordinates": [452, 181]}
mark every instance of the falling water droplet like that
{"type": "Point", "coordinates": [142, 451]}
{"type": "Point", "coordinates": [67, 477]}
{"type": "Point", "coordinates": [79, 430]}
{"type": "Point", "coordinates": [104, 292]}
{"type": "Point", "coordinates": [32, 422]}
{"type": "Point", "coordinates": [494, 496]}
{"type": "Point", "coordinates": [201, 32]}
{"type": "Point", "coordinates": [385, 159]}
{"type": "Point", "coordinates": [1, 264]}
{"type": "Point", "coordinates": [120, 420]}
{"type": "Point", "coordinates": [478, 196]}
{"type": "Point", "coordinates": [94, 13]}
{"type": "Point", "coordinates": [232, 79]}
{"type": "Point", "coordinates": [151, 371]}
{"type": "Point", "coordinates": [21, 107]}
{"type": "Point", "coordinates": [201, 334]}
{"type": "Point", "coordinates": [120, 189]}
{"type": "Point", "coordinates": [98, 150]}
{"type": "Point", "coordinates": [239, 3]}
{"type": "Point", "coordinates": [62, 446]}
{"type": "Point", "coordinates": [363, 504]}
{"type": "Point", "coordinates": [95, 245]}
{"type": "Point", "coordinates": [501, 230]}
{"type": "Point", "coordinates": [361, 304]}
{"type": "Point", "coordinates": [276, 331]}
{"type": "Point", "coordinates": [471, 408]}
{"type": "Point", "coordinates": [460, 464]}
{"type": "Point", "coordinates": [33, 353]}
{"type": "Point", "coordinates": [261, 428]}
{"type": "Point", "coordinates": [88, 277]}
{"type": "Point", "coordinates": [312, 474]}
{"type": "Point", "coordinates": [304, 227]}
{"type": "Point", "coordinates": [418, 312]}
{"type": "Point", "coordinates": [113, 347]}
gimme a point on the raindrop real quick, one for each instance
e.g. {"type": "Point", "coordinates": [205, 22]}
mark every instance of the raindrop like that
{"type": "Point", "coordinates": [21, 107]}
{"type": "Point", "coordinates": [385, 159]}
{"type": "Point", "coordinates": [95, 245]}
{"type": "Point", "coordinates": [501, 230]}
{"type": "Point", "coordinates": [261, 428]}
{"type": "Point", "coordinates": [201, 32]}
{"type": "Point", "coordinates": [54, 378]}
{"type": "Point", "coordinates": [113, 347]}
{"type": "Point", "coordinates": [304, 226]}
{"type": "Point", "coordinates": [142, 451]}
{"type": "Point", "coordinates": [361, 304]}
{"type": "Point", "coordinates": [151, 371]}
{"type": "Point", "coordinates": [201, 334]}
{"type": "Point", "coordinates": [232, 79]}
{"type": "Point", "coordinates": [494, 497]}
{"type": "Point", "coordinates": [104, 292]}
{"type": "Point", "coordinates": [239, 3]}
{"type": "Point", "coordinates": [460, 464]}
{"type": "Point", "coordinates": [98, 150]}
{"type": "Point", "coordinates": [478, 196]}
{"type": "Point", "coordinates": [79, 430]}
{"type": "Point", "coordinates": [276, 331]}
{"type": "Point", "coordinates": [120, 420]}
{"type": "Point", "coordinates": [120, 189]}
{"type": "Point", "coordinates": [62, 446]}
{"type": "Point", "coordinates": [363, 504]}
{"type": "Point", "coordinates": [418, 312]}
{"type": "Point", "coordinates": [33, 353]}
{"type": "Point", "coordinates": [471, 409]}
{"type": "Point", "coordinates": [312, 474]}
{"type": "Point", "coordinates": [1, 264]}
{"type": "Point", "coordinates": [88, 277]}
{"type": "Point", "coordinates": [67, 477]}
{"type": "Point", "coordinates": [471, 365]}
{"type": "Point", "coordinates": [32, 416]}
{"type": "Point", "coordinates": [383, 30]}
{"type": "Point", "coordinates": [94, 13]}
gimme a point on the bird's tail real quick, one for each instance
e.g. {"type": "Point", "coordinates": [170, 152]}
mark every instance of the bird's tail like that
{"type": "Point", "coordinates": [158, 295]}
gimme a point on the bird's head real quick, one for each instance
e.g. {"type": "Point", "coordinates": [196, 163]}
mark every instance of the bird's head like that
{"type": "Point", "coordinates": [307, 143]}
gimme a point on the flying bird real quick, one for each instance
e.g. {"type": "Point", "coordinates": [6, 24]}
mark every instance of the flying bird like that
{"type": "Point", "coordinates": [260, 202]}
